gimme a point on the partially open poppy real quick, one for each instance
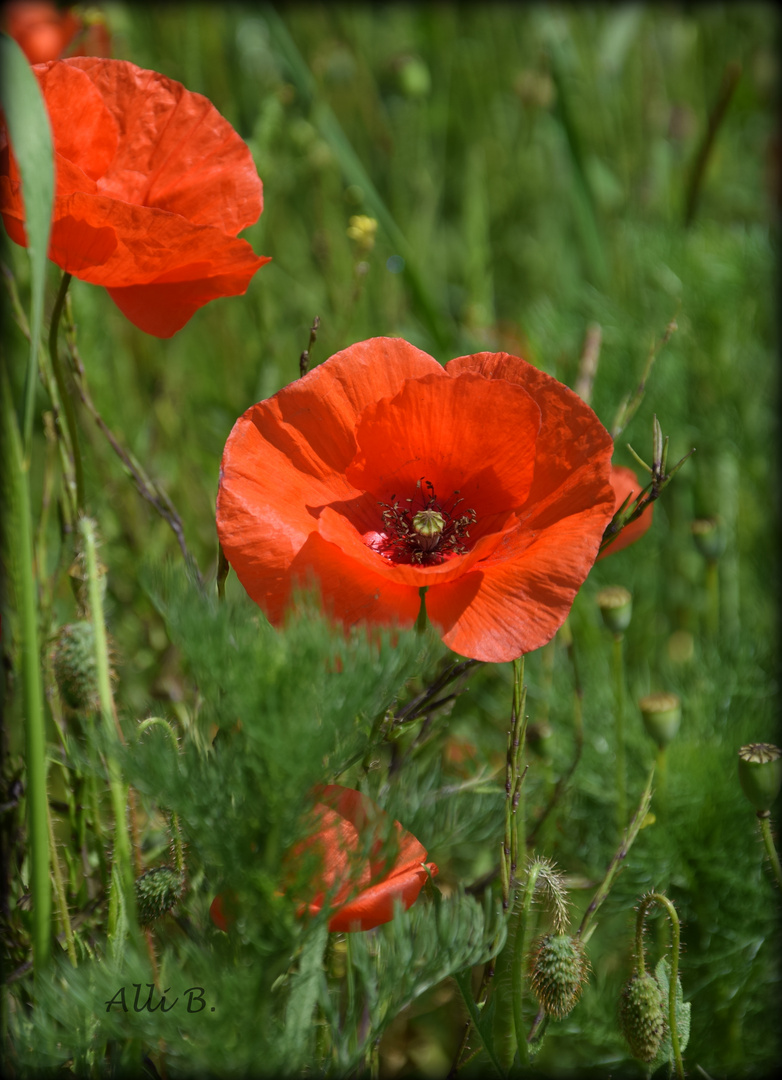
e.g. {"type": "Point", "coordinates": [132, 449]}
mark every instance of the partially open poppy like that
{"type": "Point", "coordinates": [364, 864]}
{"type": "Point", "coordinates": [381, 473]}
{"type": "Point", "coordinates": [153, 186]}
{"type": "Point", "coordinates": [626, 485]}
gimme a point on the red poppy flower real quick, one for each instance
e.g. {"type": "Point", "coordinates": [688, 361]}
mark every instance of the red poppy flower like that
{"type": "Point", "coordinates": [42, 30]}
{"type": "Point", "coordinates": [365, 863]}
{"type": "Point", "coordinates": [153, 186]}
{"type": "Point", "coordinates": [625, 483]}
{"type": "Point", "coordinates": [381, 472]}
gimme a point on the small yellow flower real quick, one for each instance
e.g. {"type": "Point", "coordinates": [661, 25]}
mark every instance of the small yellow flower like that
{"type": "Point", "coordinates": [362, 229]}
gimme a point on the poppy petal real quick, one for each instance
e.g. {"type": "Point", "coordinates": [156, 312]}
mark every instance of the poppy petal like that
{"type": "Point", "coordinates": [375, 905]}
{"type": "Point", "coordinates": [177, 153]}
{"type": "Point", "coordinates": [435, 429]}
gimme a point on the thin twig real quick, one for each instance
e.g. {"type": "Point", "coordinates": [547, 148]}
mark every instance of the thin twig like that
{"type": "Point", "coordinates": [304, 359]}
{"type": "Point", "coordinates": [147, 488]}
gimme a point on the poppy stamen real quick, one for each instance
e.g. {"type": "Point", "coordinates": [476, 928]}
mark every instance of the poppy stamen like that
{"type": "Point", "coordinates": [425, 530]}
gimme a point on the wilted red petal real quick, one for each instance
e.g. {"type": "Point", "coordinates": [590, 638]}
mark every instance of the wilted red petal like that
{"type": "Point", "coordinates": [152, 187]}
{"type": "Point", "coordinates": [326, 492]}
{"type": "Point", "coordinates": [625, 483]}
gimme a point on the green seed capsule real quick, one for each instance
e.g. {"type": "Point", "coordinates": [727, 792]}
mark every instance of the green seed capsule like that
{"type": "Point", "coordinates": [559, 971]}
{"type": "Point", "coordinates": [760, 773]}
{"type": "Point", "coordinates": [661, 714]}
{"type": "Point", "coordinates": [642, 1016]}
{"type": "Point", "coordinates": [157, 890]}
{"type": "Point", "coordinates": [616, 607]}
{"type": "Point", "coordinates": [75, 669]}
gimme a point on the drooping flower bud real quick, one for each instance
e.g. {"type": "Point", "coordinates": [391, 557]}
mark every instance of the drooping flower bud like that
{"type": "Point", "coordinates": [157, 890]}
{"type": "Point", "coordinates": [75, 668]}
{"type": "Point", "coordinates": [642, 1016]}
{"type": "Point", "coordinates": [661, 714]}
{"type": "Point", "coordinates": [558, 973]}
{"type": "Point", "coordinates": [760, 773]}
{"type": "Point", "coordinates": [616, 607]}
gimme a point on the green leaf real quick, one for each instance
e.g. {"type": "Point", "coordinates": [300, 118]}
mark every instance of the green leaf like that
{"type": "Point", "coordinates": [31, 139]}
{"type": "Point", "coordinates": [304, 995]}
{"type": "Point", "coordinates": [665, 1053]}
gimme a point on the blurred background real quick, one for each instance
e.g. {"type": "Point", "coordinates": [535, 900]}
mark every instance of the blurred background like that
{"type": "Point", "coordinates": [508, 177]}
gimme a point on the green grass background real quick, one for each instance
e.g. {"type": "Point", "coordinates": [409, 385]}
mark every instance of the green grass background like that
{"type": "Point", "coordinates": [530, 164]}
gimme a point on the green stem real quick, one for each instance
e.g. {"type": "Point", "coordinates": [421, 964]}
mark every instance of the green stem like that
{"type": "Point", "coordinates": [620, 855]}
{"type": "Point", "coordinates": [158, 721]}
{"type": "Point", "coordinates": [764, 820]}
{"type": "Point", "coordinates": [462, 979]}
{"type": "Point", "coordinates": [645, 904]}
{"type": "Point", "coordinates": [65, 397]}
{"type": "Point", "coordinates": [59, 892]}
{"type": "Point", "coordinates": [119, 794]}
{"type": "Point", "coordinates": [421, 621]}
{"type": "Point", "coordinates": [35, 733]}
{"type": "Point", "coordinates": [619, 733]}
{"type": "Point", "coordinates": [519, 959]}
{"type": "Point", "coordinates": [712, 597]}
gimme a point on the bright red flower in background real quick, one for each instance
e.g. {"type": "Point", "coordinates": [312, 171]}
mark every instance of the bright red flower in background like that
{"type": "Point", "coordinates": [153, 186]}
{"type": "Point", "coordinates": [380, 472]}
{"type": "Point", "coordinates": [625, 483]}
{"type": "Point", "coordinates": [364, 863]}
{"type": "Point", "coordinates": [42, 30]}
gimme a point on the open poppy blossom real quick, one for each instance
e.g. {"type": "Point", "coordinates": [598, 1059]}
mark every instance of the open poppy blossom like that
{"type": "Point", "coordinates": [152, 188]}
{"type": "Point", "coordinates": [364, 864]}
{"type": "Point", "coordinates": [381, 473]}
{"type": "Point", "coordinates": [626, 485]}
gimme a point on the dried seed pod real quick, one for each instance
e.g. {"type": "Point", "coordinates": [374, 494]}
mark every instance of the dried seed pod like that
{"type": "Point", "coordinates": [642, 1016]}
{"type": "Point", "coordinates": [558, 972]}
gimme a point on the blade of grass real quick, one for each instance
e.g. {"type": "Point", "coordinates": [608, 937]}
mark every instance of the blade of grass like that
{"type": "Point", "coordinates": [31, 138]}
{"type": "Point", "coordinates": [355, 173]}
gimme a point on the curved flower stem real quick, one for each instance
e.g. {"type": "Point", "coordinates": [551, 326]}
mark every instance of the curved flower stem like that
{"type": "Point", "coordinates": [619, 734]}
{"type": "Point", "coordinates": [643, 907]}
{"type": "Point", "coordinates": [764, 821]}
{"type": "Point", "coordinates": [65, 398]}
{"type": "Point", "coordinates": [179, 855]}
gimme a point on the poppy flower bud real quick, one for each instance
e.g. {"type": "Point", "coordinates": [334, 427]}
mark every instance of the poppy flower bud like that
{"type": "Point", "coordinates": [75, 669]}
{"type": "Point", "coordinates": [157, 890]}
{"type": "Point", "coordinates": [642, 1016]}
{"type": "Point", "coordinates": [661, 714]}
{"type": "Point", "coordinates": [709, 537]}
{"type": "Point", "coordinates": [616, 607]}
{"type": "Point", "coordinates": [559, 971]}
{"type": "Point", "coordinates": [760, 774]}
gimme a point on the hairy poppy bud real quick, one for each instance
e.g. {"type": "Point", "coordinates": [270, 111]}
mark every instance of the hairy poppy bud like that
{"type": "Point", "coordinates": [642, 1016]}
{"type": "Point", "coordinates": [760, 773]}
{"type": "Point", "coordinates": [661, 714]}
{"type": "Point", "coordinates": [75, 669]}
{"type": "Point", "coordinates": [157, 890]}
{"type": "Point", "coordinates": [616, 607]}
{"type": "Point", "coordinates": [559, 971]}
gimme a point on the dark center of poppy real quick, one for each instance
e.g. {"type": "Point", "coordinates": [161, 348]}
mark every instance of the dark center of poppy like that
{"type": "Point", "coordinates": [423, 529]}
